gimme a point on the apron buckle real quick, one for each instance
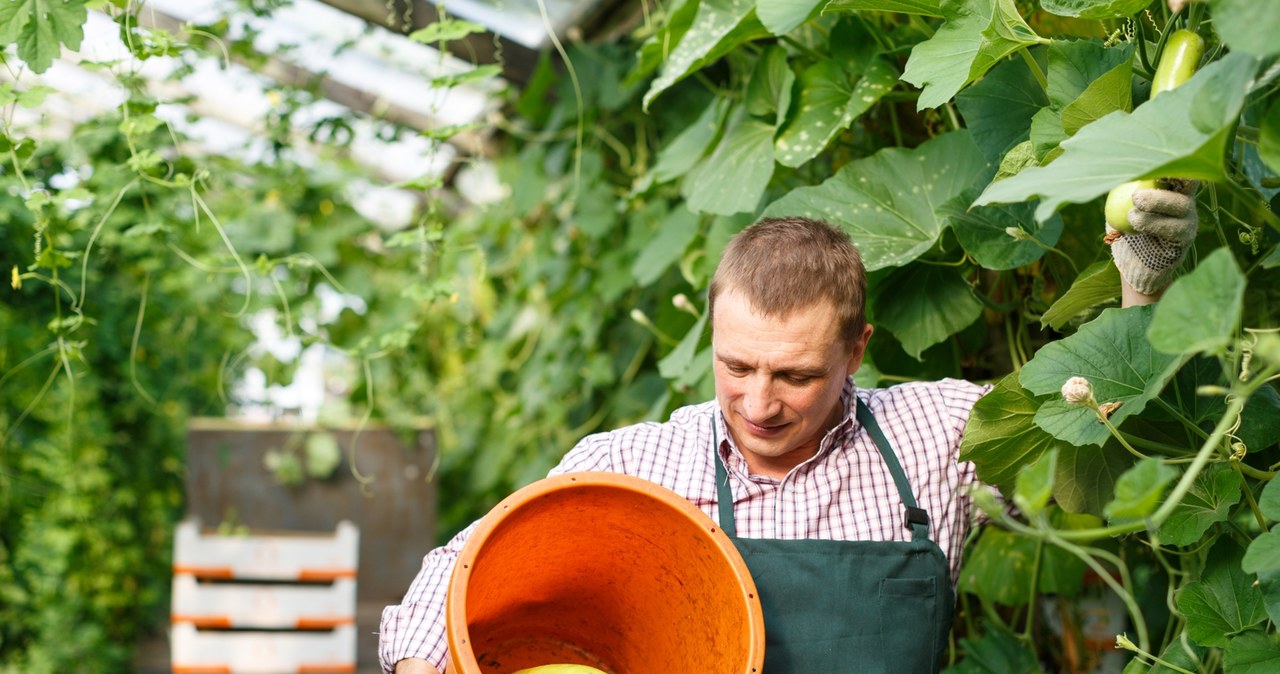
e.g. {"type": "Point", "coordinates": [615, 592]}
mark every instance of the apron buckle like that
{"type": "Point", "coordinates": [915, 516]}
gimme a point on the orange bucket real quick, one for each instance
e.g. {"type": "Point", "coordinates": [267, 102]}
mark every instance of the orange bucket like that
{"type": "Point", "coordinates": [604, 570]}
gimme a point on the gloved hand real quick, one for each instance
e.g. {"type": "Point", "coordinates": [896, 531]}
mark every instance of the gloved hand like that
{"type": "Point", "coordinates": [1164, 223]}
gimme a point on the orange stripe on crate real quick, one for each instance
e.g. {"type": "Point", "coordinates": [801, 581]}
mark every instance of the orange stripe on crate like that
{"type": "Point", "coordinates": [324, 623]}
{"type": "Point", "coordinates": [201, 669]}
{"type": "Point", "coordinates": [314, 575]}
{"type": "Point", "coordinates": [204, 621]}
{"type": "Point", "coordinates": [337, 668]}
{"type": "Point", "coordinates": [221, 572]}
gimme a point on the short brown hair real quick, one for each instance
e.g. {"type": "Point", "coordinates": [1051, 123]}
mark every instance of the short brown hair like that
{"type": "Point", "coordinates": [784, 264]}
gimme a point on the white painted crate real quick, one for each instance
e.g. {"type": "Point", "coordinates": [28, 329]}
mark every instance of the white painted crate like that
{"type": "Point", "coordinates": [197, 651]}
{"type": "Point", "coordinates": [278, 556]}
{"type": "Point", "coordinates": [271, 606]}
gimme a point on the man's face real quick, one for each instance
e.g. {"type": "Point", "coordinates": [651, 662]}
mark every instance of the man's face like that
{"type": "Point", "coordinates": [778, 379]}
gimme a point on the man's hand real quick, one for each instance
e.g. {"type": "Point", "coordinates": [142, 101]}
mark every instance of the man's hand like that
{"type": "Point", "coordinates": [1164, 223]}
{"type": "Point", "coordinates": [415, 666]}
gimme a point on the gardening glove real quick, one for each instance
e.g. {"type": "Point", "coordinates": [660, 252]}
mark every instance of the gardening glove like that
{"type": "Point", "coordinates": [1164, 225]}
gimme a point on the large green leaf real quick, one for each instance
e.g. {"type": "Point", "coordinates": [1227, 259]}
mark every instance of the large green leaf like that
{"type": "Point", "coordinates": [780, 16]}
{"type": "Point", "coordinates": [1182, 133]}
{"type": "Point", "coordinates": [887, 201]}
{"type": "Point", "coordinates": [1201, 311]}
{"type": "Point", "coordinates": [1139, 490]}
{"type": "Point", "coordinates": [1087, 476]}
{"type": "Point", "coordinates": [1113, 353]}
{"type": "Point", "coordinates": [921, 7]}
{"type": "Point", "coordinates": [1075, 65]}
{"type": "Point", "coordinates": [1112, 91]}
{"type": "Point", "coordinates": [1212, 495]}
{"type": "Point", "coordinates": [1254, 652]}
{"type": "Point", "coordinates": [1094, 9]}
{"type": "Point", "coordinates": [655, 51]}
{"type": "Point", "coordinates": [1001, 437]}
{"type": "Point", "coordinates": [827, 105]}
{"type": "Point", "coordinates": [1247, 25]}
{"type": "Point", "coordinates": [41, 27]}
{"type": "Point", "coordinates": [1223, 602]}
{"type": "Point", "coordinates": [984, 232]}
{"type": "Point", "coordinates": [998, 108]}
{"type": "Point", "coordinates": [732, 179]}
{"type": "Point", "coordinates": [1097, 284]}
{"type": "Point", "coordinates": [923, 304]}
{"type": "Point", "coordinates": [674, 234]}
{"type": "Point", "coordinates": [977, 35]}
{"type": "Point", "coordinates": [718, 27]}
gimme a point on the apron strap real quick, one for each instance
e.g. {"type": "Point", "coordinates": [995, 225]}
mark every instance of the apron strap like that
{"type": "Point", "coordinates": [917, 519]}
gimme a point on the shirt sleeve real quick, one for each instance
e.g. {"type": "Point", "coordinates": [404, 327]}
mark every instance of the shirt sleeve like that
{"type": "Point", "coordinates": [415, 628]}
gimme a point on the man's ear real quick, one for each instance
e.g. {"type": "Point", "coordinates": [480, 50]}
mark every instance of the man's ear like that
{"type": "Point", "coordinates": [859, 349]}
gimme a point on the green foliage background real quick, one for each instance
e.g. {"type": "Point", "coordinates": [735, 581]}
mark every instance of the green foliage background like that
{"type": "Point", "coordinates": [966, 145]}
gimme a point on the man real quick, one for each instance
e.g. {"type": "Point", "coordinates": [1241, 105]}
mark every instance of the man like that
{"type": "Point", "coordinates": [848, 505]}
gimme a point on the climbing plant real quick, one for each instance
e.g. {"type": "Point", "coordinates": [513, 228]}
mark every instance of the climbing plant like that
{"type": "Point", "coordinates": [966, 145]}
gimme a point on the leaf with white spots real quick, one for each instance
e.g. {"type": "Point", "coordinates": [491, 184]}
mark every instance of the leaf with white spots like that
{"type": "Point", "coordinates": [827, 105]}
{"type": "Point", "coordinates": [888, 202]}
{"type": "Point", "coordinates": [718, 27]}
{"type": "Point", "coordinates": [732, 179]}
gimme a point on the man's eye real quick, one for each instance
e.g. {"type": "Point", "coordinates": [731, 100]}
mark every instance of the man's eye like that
{"type": "Point", "coordinates": [737, 369]}
{"type": "Point", "coordinates": [798, 378]}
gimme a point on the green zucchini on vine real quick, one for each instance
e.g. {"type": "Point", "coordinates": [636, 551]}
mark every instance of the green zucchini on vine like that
{"type": "Point", "coordinates": [1182, 53]}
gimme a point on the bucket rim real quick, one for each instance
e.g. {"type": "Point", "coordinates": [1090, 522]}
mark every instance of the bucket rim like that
{"type": "Point", "coordinates": [460, 649]}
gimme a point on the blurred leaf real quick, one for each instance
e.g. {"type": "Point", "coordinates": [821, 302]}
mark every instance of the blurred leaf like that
{"type": "Point", "coordinates": [1263, 555]}
{"type": "Point", "coordinates": [769, 91]}
{"type": "Point", "coordinates": [1139, 490]}
{"type": "Point", "coordinates": [445, 30]}
{"type": "Point", "coordinates": [922, 7]}
{"type": "Point", "coordinates": [676, 231]}
{"type": "Point", "coordinates": [1094, 9]}
{"type": "Point", "coordinates": [780, 16]}
{"type": "Point", "coordinates": [1099, 283]}
{"type": "Point", "coordinates": [1183, 132]}
{"type": "Point", "coordinates": [684, 151]}
{"type": "Point", "coordinates": [885, 201]}
{"type": "Point", "coordinates": [1246, 25]}
{"type": "Point", "coordinates": [732, 179]}
{"type": "Point", "coordinates": [40, 29]}
{"type": "Point", "coordinates": [999, 568]}
{"type": "Point", "coordinates": [1200, 312]}
{"type": "Point", "coordinates": [1269, 502]}
{"type": "Point", "coordinates": [1035, 484]}
{"type": "Point", "coordinates": [683, 358]}
{"type": "Point", "coordinates": [1087, 476]}
{"type": "Point", "coordinates": [719, 26]}
{"type": "Point", "coordinates": [827, 106]}
{"type": "Point", "coordinates": [996, 651]}
{"type": "Point", "coordinates": [1269, 137]}
{"type": "Point", "coordinates": [323, 455]}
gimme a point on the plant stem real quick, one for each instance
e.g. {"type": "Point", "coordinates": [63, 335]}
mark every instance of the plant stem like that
{"type": "Point", "coordinates": [1177, 414]}
{"type": "Point", "coordinates": [1034, 67]}
{"type": "Point", "coordinates": [1252, 202]}
{"type": "Point", "coordinates": [1207, 450]}
{"type": "Point", "coordinates": [1253, 505]}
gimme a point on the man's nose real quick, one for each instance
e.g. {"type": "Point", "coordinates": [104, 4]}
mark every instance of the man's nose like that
{"type": "Point", "coordinates": [759, 401]}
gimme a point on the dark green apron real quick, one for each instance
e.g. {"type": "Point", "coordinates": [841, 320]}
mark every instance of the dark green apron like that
{"type": "Point", "coordinates": [849, 606]}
